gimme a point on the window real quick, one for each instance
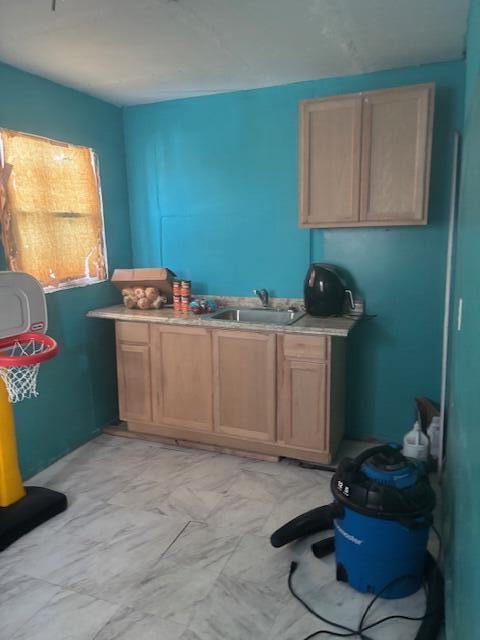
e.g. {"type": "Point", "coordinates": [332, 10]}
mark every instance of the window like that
{"type": "Point", "coordinates": [51, 210]}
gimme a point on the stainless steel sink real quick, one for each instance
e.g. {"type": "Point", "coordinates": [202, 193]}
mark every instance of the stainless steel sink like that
{"type": "Point", "coordinates": [267, 316]}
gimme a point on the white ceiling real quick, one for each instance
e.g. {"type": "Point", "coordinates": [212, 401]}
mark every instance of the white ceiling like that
{"type": "Point", "coordinates": [138, 51]}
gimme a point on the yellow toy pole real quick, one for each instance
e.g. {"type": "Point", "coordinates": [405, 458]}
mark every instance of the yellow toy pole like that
{"type": "Point", "coordinates": [11, 486]}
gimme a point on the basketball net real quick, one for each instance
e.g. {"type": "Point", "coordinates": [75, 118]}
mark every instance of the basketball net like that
{"type": "Point", "coordinates": [21, 381]}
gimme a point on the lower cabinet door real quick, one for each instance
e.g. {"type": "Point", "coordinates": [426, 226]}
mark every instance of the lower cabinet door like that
{"type": "Point", "coordinates": [182, 377]}
{"type": "Point", "coordinates": [244, 367]}
{"type": "Point", "coordinates": [134, 390]}
{"type": "Point", "coordinates": [303, 404]}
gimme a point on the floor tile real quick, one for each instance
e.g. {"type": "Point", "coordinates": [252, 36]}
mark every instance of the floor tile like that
{"type": "Point", "coordinates": [147, 491]}
{"type": "Point", "coordinates": [255, 560]}
{"type": "Point", "coordinates": [189, 503]}
{"type": "Point", "coordinates": [214, 473]}
{"type": "Point", "coordinates": [315, 582]}
{"type": "Point", "coordinates": [236, 610]}
{"type": "Point", "coordinates": [119, 442]}
{"type": "Point", "coordinates": [67, 616]}
{"type": "Point", "coordinates": [166, 472]}
{"type": "Point", "coordinates": [202, 547]}
{"type": "Point", "coordinates": [39, 553]}
{"type": "Point", "coordinates": [93, 454]}
{"type": "Point", "coordinates": [173, 544]}
{"type": "Point", "coordinates": [128, 624]}
{"type": "Point", "coordinates": [252, 483]}
{"type": "Point", "coordinates": [103, 569]}
{"type": "Point", "coordinates": [242, 515]}
{"type": "Point", "coordinates": [304, 499]}
{"type": "Point", "coordinates": [98, 481]}
{"type": "Point", "coordinates": [170, 591]}
{"type": "Point", "coordinates": [21, 597]}
{"type": "Point", "coordinates": [109, 522]}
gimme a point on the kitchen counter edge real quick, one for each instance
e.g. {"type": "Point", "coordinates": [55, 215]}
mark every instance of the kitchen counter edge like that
{"type": "Point", "coordinates": [329, 326]}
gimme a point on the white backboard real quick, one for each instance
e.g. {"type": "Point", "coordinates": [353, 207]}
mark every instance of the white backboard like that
{"type": "Point", "coordinates": [22, 304]}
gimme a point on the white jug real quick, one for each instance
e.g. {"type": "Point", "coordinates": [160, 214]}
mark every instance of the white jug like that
{"type": "Point", "coordinates": [415, 443]}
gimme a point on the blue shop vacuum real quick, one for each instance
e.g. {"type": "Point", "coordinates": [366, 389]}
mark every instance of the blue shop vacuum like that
{"type": "Point", "coordinates": [381, 517]}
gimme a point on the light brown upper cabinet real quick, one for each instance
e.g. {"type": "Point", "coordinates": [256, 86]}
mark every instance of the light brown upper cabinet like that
{"type": "Point", "coordinates": [365, 158]}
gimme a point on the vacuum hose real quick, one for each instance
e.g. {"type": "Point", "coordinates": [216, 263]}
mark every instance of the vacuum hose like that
{"type": "Point", "coordinates": [309, 523]}
{"type": "Point", "coordinates": [434, 616]}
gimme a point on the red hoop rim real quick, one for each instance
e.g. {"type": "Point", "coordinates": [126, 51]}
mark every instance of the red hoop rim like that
{"type": "Point", "coordinates": [51, 350]}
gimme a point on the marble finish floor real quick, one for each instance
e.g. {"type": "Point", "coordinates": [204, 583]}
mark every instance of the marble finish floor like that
{"type": "Point", "coordinates": [161, 543]}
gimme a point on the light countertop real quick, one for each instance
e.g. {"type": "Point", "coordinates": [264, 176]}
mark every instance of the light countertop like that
{"type": "Point", "coordinates": [331, 326]}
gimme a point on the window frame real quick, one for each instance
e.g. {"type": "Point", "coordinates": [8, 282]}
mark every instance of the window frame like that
{"type": "Point", "coordinates": [83, 281]}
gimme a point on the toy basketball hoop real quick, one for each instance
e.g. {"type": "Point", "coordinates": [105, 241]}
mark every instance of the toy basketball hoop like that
{"type": "Point", "coordinates": [23, 343]}
{"type": "Point", "coordinates": [20, 359]}
{"type": "Point", "coordinates": [23, 348]}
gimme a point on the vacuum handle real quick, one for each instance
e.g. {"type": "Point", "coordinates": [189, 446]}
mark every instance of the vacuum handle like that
{"type": "Point", "coordinates": [314, 521]}
{"type": "Point", "coordinates": [369, 453]}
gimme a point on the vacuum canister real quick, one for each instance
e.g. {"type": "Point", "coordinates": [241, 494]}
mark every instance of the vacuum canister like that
{"type": "Point", "coordinates": [382, 527]}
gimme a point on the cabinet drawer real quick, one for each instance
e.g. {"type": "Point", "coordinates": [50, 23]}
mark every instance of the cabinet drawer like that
{"type": "Point", "coordinates": [305, 347]}
{"type": "Point", "coordinates": [132, 332]}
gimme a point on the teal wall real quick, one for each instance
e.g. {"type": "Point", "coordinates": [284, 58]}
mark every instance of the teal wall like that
{"type": "Point", "coordinates": [213, 195]}
{"type": "Point", "coordinates": [77, 389]}
{"type": "Point", "coordinates": [462, 508]}
{"type": "Point", "coordinates": [472, 66]}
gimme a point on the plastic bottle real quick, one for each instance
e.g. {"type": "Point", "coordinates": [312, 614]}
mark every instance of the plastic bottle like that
{"type": "Point", "coordinates": [415, 443]}
{"type": "Point", "coordinates": [433, 433]}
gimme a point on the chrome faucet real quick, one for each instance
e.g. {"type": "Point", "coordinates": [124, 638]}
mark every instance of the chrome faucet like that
{"type": "Point", "coordinates": [263, 295]}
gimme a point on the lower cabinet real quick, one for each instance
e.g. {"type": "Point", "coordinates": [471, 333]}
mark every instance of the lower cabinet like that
{"type": "Point", "coordinates": [303, 393]}
{"type": "Point", "coordinates": [182, 377]}
{"type": "Point", "coordinates": [261, 391]}
{"type": "Point", "coordinates": [133, 371]}
{"type": "Point", "coordinates": [244, 384]}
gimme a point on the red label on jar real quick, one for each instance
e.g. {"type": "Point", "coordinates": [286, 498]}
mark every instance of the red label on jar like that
{"type": "Point", "coordinates": [177, 302]}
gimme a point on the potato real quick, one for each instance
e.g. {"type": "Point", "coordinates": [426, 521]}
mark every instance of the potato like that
{"type": "Point", "coordinates": [151, 293]}
{"type": "Point", "coordinates": [139, 292]}
{"type": "Point", "coordinates": [144, 303]}
{"type": "Point", "coordinates": [129, 302]}
{"type": "Point", "coordinates": [128, 291]}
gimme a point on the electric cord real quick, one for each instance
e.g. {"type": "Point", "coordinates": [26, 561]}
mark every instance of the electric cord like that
{"type": "Point", "coordinates": [427, 613]}
{"type": "Point", "coordinates": [361, 628]}
{"type": "Point", "coordinates": [350, 632]}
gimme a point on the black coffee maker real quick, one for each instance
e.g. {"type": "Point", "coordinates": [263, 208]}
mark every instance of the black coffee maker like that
{"type": "Point", "coordinates": [325, 292]}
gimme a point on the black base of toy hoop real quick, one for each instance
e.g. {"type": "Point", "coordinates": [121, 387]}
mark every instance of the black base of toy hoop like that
{"type": "Point", "coordinates": [38, 506]}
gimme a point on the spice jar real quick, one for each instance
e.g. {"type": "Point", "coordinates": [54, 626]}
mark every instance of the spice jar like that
{"type": "Point", "coordinates": [177, 302]}
{"type": "Point", "coordinates": [176, 287]}
{"type": "Point", "coordinates": [186, 288]}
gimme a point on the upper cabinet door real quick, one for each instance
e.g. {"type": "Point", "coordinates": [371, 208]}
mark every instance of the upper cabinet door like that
{"type": "Point", "coordinates": [365, 158]}
{"type": "Point", "coordinates": [397, 130]}
{"type": "Point", "coordinates": [330, 138]}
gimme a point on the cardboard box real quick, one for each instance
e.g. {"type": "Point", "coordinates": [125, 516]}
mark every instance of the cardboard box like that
{"type": "Point", "coordinates": [160, 277]}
